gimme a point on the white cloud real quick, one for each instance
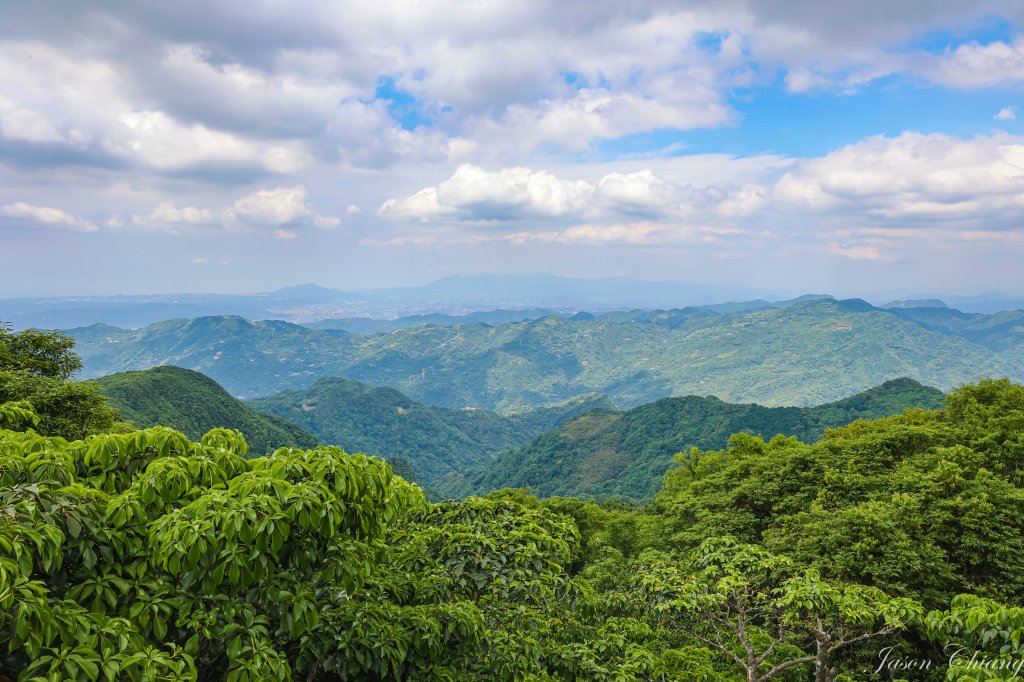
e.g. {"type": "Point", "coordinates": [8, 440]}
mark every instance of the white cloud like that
{"type": "Point", "coordinates": [167, 212]}
{"type": "Point", "coordinates": [973, 65]}
{"type": "Point", "coordinates": [353, 209]}
{"type": "Point", "coordinates": [84, 105]}
{"type": "Point", "coordinates": [1006, 114]}
{"type": "Point", "coordinates": [913, 176]}
{"type": "Point", "coordinates": [517, 194]}
{"type": "Point", "coordinates": [52, 217]}
{"type": "Point", "coordinates": [281, 207]}
{"type": "Point", "coordinates": [603, 114]}
{"type": "Point", "coordinates": [200, 261]}
{"type": "Point", "coordinates": [639, 192]}
{"type": "Point", "coordinates": [473, 193]}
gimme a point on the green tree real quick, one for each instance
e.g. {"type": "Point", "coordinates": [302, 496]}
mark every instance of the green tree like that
{"type": "Point", "coordinates": [145, 555]}
{"type": "Point", "coordinates": [42, 353]}
{"type": "Point", "coordinates": [763, 613]}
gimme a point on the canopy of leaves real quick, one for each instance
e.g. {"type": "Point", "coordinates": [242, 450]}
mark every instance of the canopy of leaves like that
{"type": "Point", "coordinates": [41, 353]}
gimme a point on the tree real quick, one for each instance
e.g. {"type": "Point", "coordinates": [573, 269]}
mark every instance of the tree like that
{"type": "Point", "coordinates": [70, 409]}
{"type": "Point", "coordinates": [42, 353]}
{"type": "Point", "coordinates": [983, 639]}
{"type": "Point", "coordinates": [144, 555]}
{"type": "Point", "coordinates": [762, 613]}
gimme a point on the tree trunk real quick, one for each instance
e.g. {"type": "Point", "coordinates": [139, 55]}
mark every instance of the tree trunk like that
{"type": "Point", "coordinates": [822, 671]}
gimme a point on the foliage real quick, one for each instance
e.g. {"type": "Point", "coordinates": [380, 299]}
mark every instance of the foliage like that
{"type": "Point", "coordinates": [71, 409]}
{"type": "Point", "coordinates": [193, 404]}
{"type": "Point", "coordinates": [922, 504]}
{"type": "Point", "coordinates": [627, 454]}
{"type": "Point", "coordinates": [41, 353]}
{"type": "Point", "coordinates": [146, 555]}
{"type": "Point", "coordinates": [34, 369]}
{"type": "Point", "coordinates": [128, 556]}
{"type": "Point", "coordinates": [763, 613]}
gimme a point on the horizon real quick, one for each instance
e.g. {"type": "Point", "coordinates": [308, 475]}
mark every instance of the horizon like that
{"type": "Point", "coordinates": [785, 147]}
{"type": "Point", "coordinates": [875, 297]}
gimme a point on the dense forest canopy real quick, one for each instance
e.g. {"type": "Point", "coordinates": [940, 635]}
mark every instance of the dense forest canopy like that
{"type": "Point", "coordinates": [149, 555]}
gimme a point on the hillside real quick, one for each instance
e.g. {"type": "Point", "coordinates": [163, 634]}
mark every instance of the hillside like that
{"type": "Point", "coordinates": [1002, 331]}
{"type": "Point", "coordinates": [808, 353]}
{"type": "Point", "coordinates": [246, 358]}
{"type": "Point", "coordinates": [193, 404]}
{"type": "Point", "coordinates": [435, 441]}
{"type": "Point", "coordinates": [627, 453]}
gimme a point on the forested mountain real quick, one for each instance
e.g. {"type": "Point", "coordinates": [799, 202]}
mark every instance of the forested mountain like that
{"type": "Point", "coordinates": [246, 358]}
{"type": "Point", "coordinates": [805, 354]}
{"type": "Point", "coordinates": [1001, 332]}
{"type": "Point", "coordinates": [193, 403]}
{"type": "Point", "coordinates": [626, 454]}
{"type": "Point", "coordinates": [435, 441]}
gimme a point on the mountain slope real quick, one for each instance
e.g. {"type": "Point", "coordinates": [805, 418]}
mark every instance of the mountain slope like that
{"type": "Point", "coordinates": [627, 453]}
{"type": "Point", "coordinates": [435, 441]}
{"type": "Point", "coordinates": [804, 354]}
{"type": "Point", "coordinates": [1002, 331]}
{"type": "Point", "coordinates": [193, 404]}
{"type": "Point", "coordinates": [246, 358]}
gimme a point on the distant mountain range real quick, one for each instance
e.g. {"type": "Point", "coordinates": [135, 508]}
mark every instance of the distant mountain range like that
{"type": "Point", "coordinates": [807, 353]}
{"type": "Point", "coordinates": [532, 296]}
{"type": "Point", "coordinates": [626, 454]}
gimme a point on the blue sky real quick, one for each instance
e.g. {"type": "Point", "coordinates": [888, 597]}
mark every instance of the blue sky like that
{"type": "Point", "coordinates": [789, 145]}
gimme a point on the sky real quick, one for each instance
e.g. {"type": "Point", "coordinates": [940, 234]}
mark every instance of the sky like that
{"type": "Point", "coordinates": [790, 145]}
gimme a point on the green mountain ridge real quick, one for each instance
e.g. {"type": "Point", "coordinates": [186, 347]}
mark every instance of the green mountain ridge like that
{"type": "Point", "coordinates": [193, 403]}
{"type": "Point", "coordinates": [435, 441]}
{"type": "Point", "coordinates": [808, 353]}
{"type": "Point", "coordinates": [626, 454]}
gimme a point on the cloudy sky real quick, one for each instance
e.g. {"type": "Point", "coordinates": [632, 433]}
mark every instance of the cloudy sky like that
{"type": "Point", "coordinates": [793, 145]}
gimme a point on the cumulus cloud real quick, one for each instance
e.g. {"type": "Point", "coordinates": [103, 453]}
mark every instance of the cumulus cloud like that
{"type": "Point", "coordinates": [50, 217]}
{"type": "Point", "coordinates": [472, 193]}
{"type": "Point", "coordinates": [167, 212]}
{"type": "Point", "coordinates": [282, 208]}
{"type": "Point", "coordinates": [973, 65]}
{"type": "Point", "coordinates": [913, 176]}
{"type": "Point", "coordinates": [518, 193]}
{"type": "Point", "coordinates": [279, 206]}
{"type": "Point", "coordinates": [79, 104]}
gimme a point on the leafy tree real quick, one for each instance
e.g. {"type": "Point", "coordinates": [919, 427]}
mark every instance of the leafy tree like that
{"type": "Point", "coordinates": [974, 624]}
{"type": "Point", "coordinates": [762, 613]}
{"type": "Point", "coordinates": [42, 353]}
{"type": "Point", "coordinates": [143, 555]}
{"type": "Point", "coordinates": [71, 409]}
